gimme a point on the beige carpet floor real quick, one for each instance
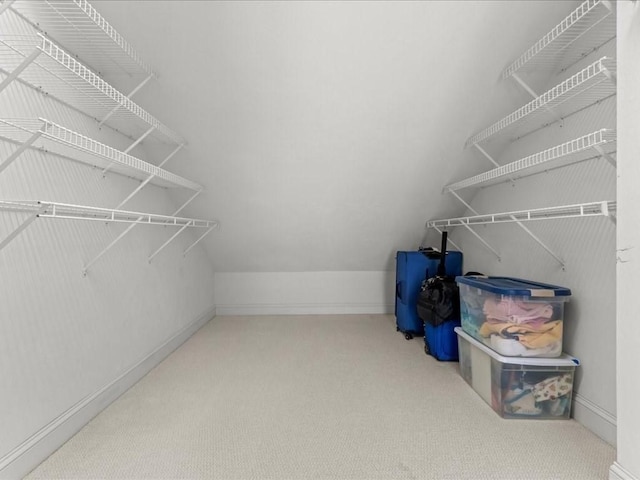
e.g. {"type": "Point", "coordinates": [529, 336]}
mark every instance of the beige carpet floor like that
{"type": "Point", "coordinates": [316, 397]}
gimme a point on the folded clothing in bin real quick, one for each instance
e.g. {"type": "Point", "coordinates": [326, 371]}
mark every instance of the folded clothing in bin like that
{"type": "Point", "coordinates": [514, 317]}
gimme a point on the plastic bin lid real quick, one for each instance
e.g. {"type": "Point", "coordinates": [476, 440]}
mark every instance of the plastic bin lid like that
{"type": "Point", "coordinates": [514, 286]}
{"type": "Point", "coordinates": [563, 360]}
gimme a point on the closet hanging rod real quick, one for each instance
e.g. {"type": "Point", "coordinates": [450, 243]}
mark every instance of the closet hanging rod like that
{"type": "Point", "coordinates": [591, 209]}
{"type": "Point", "coordinates": [46, 209]}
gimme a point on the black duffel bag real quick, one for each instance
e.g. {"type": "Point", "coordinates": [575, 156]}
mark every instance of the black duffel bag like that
{"type": "Point", "coordinates": [439, 300]}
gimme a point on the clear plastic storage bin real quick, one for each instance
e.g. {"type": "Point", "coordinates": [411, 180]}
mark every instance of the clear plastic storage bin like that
{"type": "Point", "coordinates": [535, 388]}
{"type": "Point", "coordinates": [514, 317]}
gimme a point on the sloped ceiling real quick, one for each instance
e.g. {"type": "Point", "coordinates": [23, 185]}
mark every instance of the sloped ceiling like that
{"type": "Point", "coordinates": [324, 132]}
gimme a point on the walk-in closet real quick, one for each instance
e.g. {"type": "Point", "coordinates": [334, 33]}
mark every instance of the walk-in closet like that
{"type": "Point", "coordinates": [305, 240]}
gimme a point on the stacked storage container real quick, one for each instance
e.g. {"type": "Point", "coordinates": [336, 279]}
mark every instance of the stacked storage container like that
{"type": "Point", "coordinates": [510, 346]}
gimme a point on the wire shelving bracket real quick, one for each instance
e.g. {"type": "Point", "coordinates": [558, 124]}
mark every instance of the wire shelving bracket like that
{"type": "Point", "coordinates": [472, 231]}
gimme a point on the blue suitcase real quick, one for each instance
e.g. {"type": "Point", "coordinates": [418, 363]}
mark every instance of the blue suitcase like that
{"type": "Point", "coordinates": [438, 341]}
{"type": "Point", "coordinates": [412, 268]}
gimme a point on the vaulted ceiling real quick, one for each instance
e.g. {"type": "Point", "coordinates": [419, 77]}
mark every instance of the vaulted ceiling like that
{"type": "Point", "coordinates": [324, 132]}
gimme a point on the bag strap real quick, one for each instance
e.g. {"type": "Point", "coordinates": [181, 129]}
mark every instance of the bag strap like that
{"type": "Point", "coordinates": [443, 253]}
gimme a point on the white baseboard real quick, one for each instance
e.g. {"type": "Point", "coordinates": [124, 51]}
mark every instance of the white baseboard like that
{"type": "Point", "coordinates": [596, 419]}
{"type": "Point", "coordinates": [616, 472]}
{"type": "Point", "coordinates": [305, 309]}
{"type": "Point", "coordinates": [28, 455]}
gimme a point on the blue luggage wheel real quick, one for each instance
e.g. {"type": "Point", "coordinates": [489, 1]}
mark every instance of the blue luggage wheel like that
{"type": "Point", "coordinates": [408, 336]}
{"type": "Point", "coordinates": [426, 349]}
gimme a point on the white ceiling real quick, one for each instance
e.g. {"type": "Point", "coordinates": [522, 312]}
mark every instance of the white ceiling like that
{"type": "Point", "coordinates": [323, 132]}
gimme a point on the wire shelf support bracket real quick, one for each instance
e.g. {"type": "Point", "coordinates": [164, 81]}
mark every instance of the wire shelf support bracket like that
{"type": "Point", "coordinates": [151, 257]}
{"type": "Point", "coordinates": [473, 232]}
{"type": "Point", "coordinates": [131, 94]}
{"type": "Point", "coordinates": [30, 219]}
{"type": "Point", "coordinates": [146, 181]}
{"type": "Point", "coordinates": [188, 249]}
{"type": "Point", "coordinates": [132, 226]}
{"type": "Point", "coordinates": [15, 73]}
{"type": "Point", "coordinates": [5, 5]}
{"type": "Point", "coordinates": [20, 150]}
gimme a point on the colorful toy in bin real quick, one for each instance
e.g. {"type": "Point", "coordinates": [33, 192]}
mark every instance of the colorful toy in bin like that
{"type": "Point", "coordinates": [531, 388]}
{"type": "Point", "coordinates": [513, 316]}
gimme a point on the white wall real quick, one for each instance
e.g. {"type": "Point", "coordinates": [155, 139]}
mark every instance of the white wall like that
{"type": "Point", "coordinates": [323, 129]}
{"type": "Point", "coordinates": [627, 465]}
{"type": "Point", "coordinates": [303, 293]}
{"type": "Point", "coordinates": [587, 246]}
{"type": "Point", "coordinates": [70, 344]}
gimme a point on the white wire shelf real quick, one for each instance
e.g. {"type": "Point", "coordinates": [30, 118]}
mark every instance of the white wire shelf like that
{"type": "Point", "coordinates": [59, 140]}
{"type": "Point", "coordinates": [44, 209]}
{"type": "Point", "coordinates": [40, 209]}
{"type": "Point", "coordinates": [589, 26]}
{"type": "Point", "coordinates": [596, 144]}
{"type": "Point", "coordinates": [593, 83]}
{"type": "Point", "coordinates": [83, 31]}
{"type": "Point", "coordinates": [45, 65]}
{"type": "Point", "coordinates": [592, 209]}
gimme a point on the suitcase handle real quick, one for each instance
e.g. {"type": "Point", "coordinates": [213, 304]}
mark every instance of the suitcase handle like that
{"type": "Point", "coordinates": [399, 290]}
{"type": "Point", "coordinates": [443, 253]}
